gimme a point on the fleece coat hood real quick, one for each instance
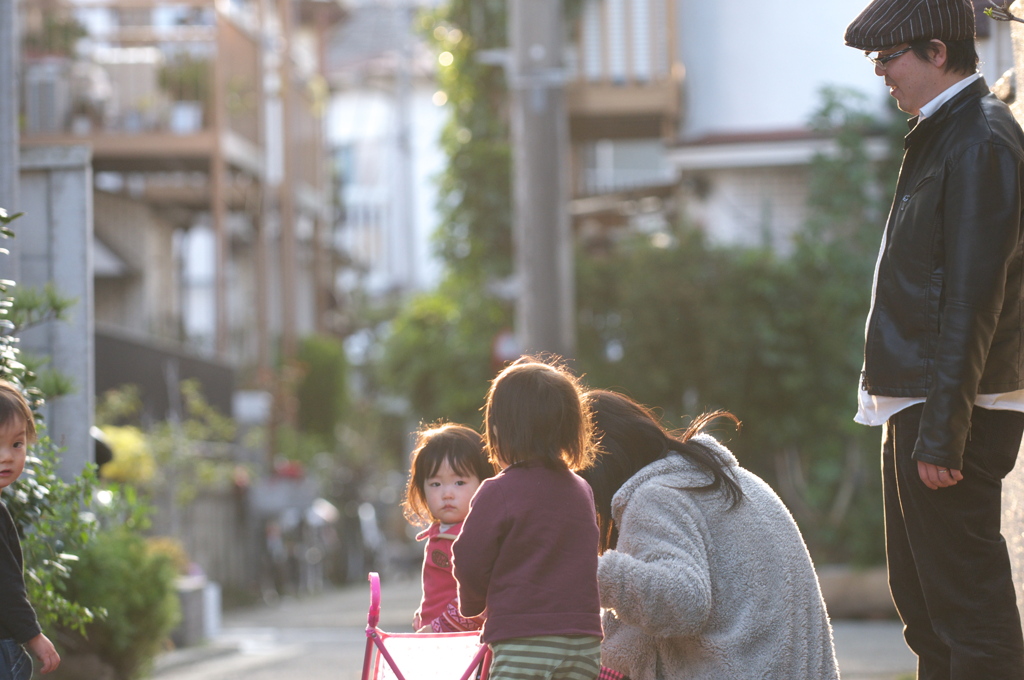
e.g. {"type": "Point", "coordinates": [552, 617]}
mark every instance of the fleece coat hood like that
{"type": "Point", "coordinates": [698, 590]}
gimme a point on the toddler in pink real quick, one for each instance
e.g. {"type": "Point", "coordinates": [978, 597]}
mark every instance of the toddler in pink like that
{"type": "Point", "coordinates": [447, 466]}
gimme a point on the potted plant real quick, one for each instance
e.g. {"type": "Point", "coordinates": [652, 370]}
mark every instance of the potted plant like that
{"type": "Point", "coordinates": [186, 80]}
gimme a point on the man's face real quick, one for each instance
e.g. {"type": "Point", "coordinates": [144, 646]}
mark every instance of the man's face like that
{"type": "Point", "coordinates": [912, 81]}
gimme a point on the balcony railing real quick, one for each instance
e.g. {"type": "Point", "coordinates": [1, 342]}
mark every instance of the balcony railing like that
{"type": "Point", "coordinates": [624, 79]}
{"type": "Point", "coordinates": [133, 67]}
{"type": "Point", "coordinates": [625, 42]}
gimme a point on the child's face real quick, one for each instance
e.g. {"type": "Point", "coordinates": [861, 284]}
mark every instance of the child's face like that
{"type": "Point", "coordinates": [13, 447]}
{"type": "Point", "coordinates": [448, 494]}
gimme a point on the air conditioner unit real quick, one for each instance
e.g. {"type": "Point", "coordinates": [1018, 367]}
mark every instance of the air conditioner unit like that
{"type": "Point", "coordinates": [47, 96]}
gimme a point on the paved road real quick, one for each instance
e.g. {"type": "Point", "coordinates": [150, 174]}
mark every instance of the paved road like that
{"type": "Point", "coordinates": [322, 638]}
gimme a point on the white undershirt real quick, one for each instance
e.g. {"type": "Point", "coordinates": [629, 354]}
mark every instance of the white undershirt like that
{"type": "Point", "coordinates": [873, 409]}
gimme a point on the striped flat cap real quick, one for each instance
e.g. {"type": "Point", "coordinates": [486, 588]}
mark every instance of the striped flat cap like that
{"type": "Point", "coordinates": [887, 23]}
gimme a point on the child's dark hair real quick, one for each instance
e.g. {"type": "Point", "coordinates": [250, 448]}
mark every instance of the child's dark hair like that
{"type": "Point", "coordinates": [631, 437]}
{"type": "Point", "coordinates": [13, 405]}
{"type": "Point", "coordinates": [536, 411]}
{"type": "Point", "coordinates": [460, 446]}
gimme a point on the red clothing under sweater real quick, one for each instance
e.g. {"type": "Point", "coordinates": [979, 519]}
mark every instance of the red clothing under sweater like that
{"type": "Point", "coordinates": [439, 606]}
{"type": "Point", "coordinates": [528, 553]}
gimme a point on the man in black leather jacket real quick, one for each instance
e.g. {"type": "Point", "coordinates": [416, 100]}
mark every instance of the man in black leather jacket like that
{"type": "Point", "coordinates": [944, 350]}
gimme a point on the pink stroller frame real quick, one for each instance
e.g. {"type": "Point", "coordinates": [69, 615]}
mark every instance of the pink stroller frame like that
{"type": "Point", "coordinates": [424, 655]}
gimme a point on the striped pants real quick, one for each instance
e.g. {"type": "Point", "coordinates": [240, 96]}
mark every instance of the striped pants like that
{"type": "Point", "coordinates": [546, 657]}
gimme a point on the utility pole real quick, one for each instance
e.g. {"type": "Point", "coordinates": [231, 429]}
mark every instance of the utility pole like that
{"type": "Point", "coordinates": [407, 261]}
{"type": "Point", "coordinates": [540, 147]}
{"type": "Point", "coordinates": [9, 153]}
{"type": "Point", "coordinates": [286, 198]}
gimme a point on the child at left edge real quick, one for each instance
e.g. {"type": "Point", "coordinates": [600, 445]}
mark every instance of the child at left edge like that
{"type": "Point", "coordinates": [447, 466]}
{"type": "Point", "coordinates": [19, 627]}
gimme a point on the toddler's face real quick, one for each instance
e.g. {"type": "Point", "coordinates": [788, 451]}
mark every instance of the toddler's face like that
{"type": "Point", "coordinates": [448, 494]}
{"type": "Point", "coordinates": [13, 447]}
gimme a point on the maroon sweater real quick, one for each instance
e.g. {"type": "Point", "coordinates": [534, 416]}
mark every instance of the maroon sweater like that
{"type": "Point", "coordinates": [528, 555]}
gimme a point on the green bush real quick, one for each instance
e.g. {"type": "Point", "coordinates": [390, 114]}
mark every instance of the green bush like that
{"type": "Point", "coordinates": [323, 389]}
{"type": "Point", "coordinates": [54, 530]}
{"type": "Point", "coordinates": [121, 572]}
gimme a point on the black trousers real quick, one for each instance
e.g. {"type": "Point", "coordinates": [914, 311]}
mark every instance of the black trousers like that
{"type": "Point", "coordinates": [949, 570]}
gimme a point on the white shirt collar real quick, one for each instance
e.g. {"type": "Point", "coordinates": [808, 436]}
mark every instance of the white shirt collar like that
{"type": "Point", "coordinates": [931, 107]}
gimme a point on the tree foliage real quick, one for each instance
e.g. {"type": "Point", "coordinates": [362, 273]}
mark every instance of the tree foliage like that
{"type": "Point", "coordinates": [323, 388]}
{"type": "Point", "coordinates": [450, 379]}
{"type": "Point", "coordinates": [460, 320]}
{"type": "Point", "coordinates": [180, 456]}
{"type": "Point", "coordinates": [776, 339]}
{"type": "Point", "coordinates": [135, 582]}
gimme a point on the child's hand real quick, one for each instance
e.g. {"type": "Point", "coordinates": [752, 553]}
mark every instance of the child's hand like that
{"type": "Point", "coordinates": [43, 649]}
{"type": "Point", "coordinates": [425, 629]}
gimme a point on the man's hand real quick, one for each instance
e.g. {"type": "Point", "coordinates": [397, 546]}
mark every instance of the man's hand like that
{"type": "Point", "coordinates": [43, 649]}
{"type": "Point", "coordinates": [935, 477]}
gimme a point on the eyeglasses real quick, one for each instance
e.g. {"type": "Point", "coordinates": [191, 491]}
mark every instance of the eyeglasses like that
{"type": "Point", "coordinates": [880, 62]}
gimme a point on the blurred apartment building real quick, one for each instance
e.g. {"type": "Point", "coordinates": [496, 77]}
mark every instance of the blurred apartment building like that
{"type": "Point", "coordinates": [384, 127]}
{"type": "Point", "coordinates": [213, 250]}
{"type": "Point", "coordinates": [213, 214]}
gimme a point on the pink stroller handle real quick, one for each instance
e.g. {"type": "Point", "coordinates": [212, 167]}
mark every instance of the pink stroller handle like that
{"type": "Point", "coordinates": [373, 616]}
{"type": "Point", "coordinates": [375, 639]}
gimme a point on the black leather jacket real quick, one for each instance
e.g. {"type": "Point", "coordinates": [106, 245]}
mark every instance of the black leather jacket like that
{"type": "Point", "coordinates": [947, 321]}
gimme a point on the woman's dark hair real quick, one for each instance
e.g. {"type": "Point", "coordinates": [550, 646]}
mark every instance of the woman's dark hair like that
{"type": "Point", "coordinates": [536, 411]}
{"type": "Point", "coordinates": [460, 446]}
{"type": "Point", "coordinates": [961, 55]}
{"type": "Point", "coordinates": [630, 437]}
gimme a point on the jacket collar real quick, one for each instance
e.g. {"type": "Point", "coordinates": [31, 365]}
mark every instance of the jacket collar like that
{"type": "Point", "coordinates": [434, 531]}
{"type": "Point", "coordinates": [974, 91]}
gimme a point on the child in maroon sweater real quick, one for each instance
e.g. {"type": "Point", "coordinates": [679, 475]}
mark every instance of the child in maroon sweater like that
{"type": "Point", "coordinates": [447, 466]}
{"type": "Point", "coordinates": [528, 548]}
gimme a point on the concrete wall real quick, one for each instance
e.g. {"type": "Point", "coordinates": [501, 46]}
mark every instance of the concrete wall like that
{"type": "Point", "coordinates": [55, 238]}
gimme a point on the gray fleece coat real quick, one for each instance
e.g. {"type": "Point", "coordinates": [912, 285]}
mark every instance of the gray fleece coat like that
{"type": "Point", "coordinates": [695, 590]}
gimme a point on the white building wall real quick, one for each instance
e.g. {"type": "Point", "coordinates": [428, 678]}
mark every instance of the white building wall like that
{"type": "Point", "coordinates": [752, 206]}
{"type": "Point", "coordinates": [363, 122]}
{"type": "Point", "coordinates": [753, 66]}
{"type": "Point", "coordinates": [760, 65]}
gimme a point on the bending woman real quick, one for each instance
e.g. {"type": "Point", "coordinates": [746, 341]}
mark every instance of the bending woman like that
{"type": "Point", "coordinates": [703, 572]}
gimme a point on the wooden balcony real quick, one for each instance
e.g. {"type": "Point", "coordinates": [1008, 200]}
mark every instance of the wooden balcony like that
{"type": "Point", "coordinates": [626, 82]}
{"type": "Point", "coordinates": [160, 88]}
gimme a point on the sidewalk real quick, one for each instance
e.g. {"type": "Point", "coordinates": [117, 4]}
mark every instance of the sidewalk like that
{"type": "Point", "coordinates": [866, 650]}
